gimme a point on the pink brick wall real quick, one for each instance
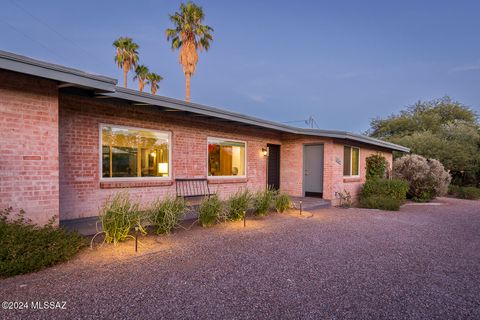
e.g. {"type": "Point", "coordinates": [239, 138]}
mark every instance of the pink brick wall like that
{"type": "Point", "coordinates": [82, 193]}
{"type": "Point", "coordinates": [352, 184]}
{"type": "Point", "coordinates": [50, 151]}
{"type": "Point", "coordinates": [333, 180]}
{"type": "Point", "coordinates": [29, 145]}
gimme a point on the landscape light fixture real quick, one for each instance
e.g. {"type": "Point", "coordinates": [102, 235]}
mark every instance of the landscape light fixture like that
{"type": "Point", "coordinates": [136, 239]}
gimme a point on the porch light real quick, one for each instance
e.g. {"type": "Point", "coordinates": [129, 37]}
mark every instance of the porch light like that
{"type": "Point", "coordinates": [163, 168]}
{"type": "Point", "coordinates": [265, 151]}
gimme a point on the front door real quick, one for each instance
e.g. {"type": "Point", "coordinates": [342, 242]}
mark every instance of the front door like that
{"type": "Point", "coordinates": [313, 170]}
{"type": "Point", "coordinates": [273, 168]}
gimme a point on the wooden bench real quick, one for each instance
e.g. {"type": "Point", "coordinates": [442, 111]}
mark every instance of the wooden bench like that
{"type": "Point", "coordinates": [189, 188]}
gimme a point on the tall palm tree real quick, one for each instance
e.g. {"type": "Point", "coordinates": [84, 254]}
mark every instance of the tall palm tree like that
{"type": "Point", "coordinates": [126, 55]}
{"type": "Point", "coordinates": [154, 79]}
{"type": "Point", "coordinates": [188, 35]}
{"type": "Point", "coordinates": [141, 73]}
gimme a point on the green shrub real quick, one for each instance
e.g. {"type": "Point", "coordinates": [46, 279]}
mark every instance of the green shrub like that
{"type": "Point", "coordinates": [210, 211]}
{"type": "Point", "coordinates": [424, 196]}
{"type": "Point", "coordinates": [263, 201]}
{"type": "Point", "coordinates": [388, 188]}
{"type": "Point", "coordinates": [165, 214]}
{"type": "Point", "coordinates": [119, 216]}
{"type": "Point", "coordinates": [453, 190]}
{"type": "Point", "coordinates": [470, 193]}
{"type": "Point", "coordinates": [376, 166]}
{"type": "Point", "coordinates": [238, 204]}
{"type": "Point", "coordinates": [26, 248]}
{"type": "Point", "coordinates": [282, 202]}
{"type": "Point", "coordinates": [380, 202]}
{"type": "Point", "coordinates": [427, 178]}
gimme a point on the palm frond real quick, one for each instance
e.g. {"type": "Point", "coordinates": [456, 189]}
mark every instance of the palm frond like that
{"type": "Point", "coordinates": [141, 72]}
{"type": "Point", "coordinates": [188, 27]}
{"type": "Point", "coordinates": [126, 52]}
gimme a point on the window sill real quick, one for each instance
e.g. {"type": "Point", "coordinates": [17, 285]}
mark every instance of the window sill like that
{"type": "Point", "coordinates": [351, 179]}
{"type": "Point", "coordinates": [226, 180]}
{"type": "Point", "coordinates": [134, 184]}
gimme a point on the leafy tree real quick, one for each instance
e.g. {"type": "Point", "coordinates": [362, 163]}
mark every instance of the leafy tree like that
{"type": "Point", "coordinates": [154, 79]}
{"type": "Point", "coordinates": [126, 55]}
{"type": "Point", "coordinates": [188, 35]}
{"type": "Point", "coordinates": [141, 73]}
{"type": "Point", "coordinates": [442, 129]}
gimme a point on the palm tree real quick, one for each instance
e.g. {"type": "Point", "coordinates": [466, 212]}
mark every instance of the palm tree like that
{"type": "Point", "coordinates": [153, 79]}
{"type": "Point", "coordinates": [141, 73]}
{"type": "Point", "coordinates": [126, 55]}
{"type": "Point", "coordinates": [188, 35]}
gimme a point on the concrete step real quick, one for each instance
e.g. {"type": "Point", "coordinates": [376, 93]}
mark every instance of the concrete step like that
{"type": "Point", "coordinates": [311, 203]}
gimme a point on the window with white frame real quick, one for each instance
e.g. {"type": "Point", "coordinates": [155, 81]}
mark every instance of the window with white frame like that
{"type": "Point", "coordinates": [351, 161]}
{"type": "Point", "coordinates": [134, 152]}
{"type": "Point", "coordinates": [226, 158]}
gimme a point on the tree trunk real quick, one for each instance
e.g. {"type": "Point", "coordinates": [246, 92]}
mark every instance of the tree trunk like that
{"type": "Point", "coordinates": [154, 88]}
{"type": "Point", "coordinates": [126, 67]}
{"type": "Point", "coordinates": [187, 87]}
{"type": "Point", "coordinates": [141, 85]}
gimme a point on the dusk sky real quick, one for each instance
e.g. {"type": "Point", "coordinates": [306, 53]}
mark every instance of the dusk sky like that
{"type": "Point", "coordinates": [342, 62]}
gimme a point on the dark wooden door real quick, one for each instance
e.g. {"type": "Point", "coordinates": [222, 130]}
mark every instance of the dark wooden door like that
{"type": "Point", "coordinates": [273, 174]}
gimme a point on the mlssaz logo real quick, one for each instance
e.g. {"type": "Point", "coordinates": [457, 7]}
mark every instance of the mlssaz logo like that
{"type": "Point", "coordinates": [45, 305]}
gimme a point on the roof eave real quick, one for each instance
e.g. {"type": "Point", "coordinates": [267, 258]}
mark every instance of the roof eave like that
{"type": "Point", "coordinates": [25, 65]}
{"type": "Point", "coordinates": [175, 104]}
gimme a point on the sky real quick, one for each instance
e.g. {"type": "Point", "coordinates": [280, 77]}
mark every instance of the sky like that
{"type": "Point", "coordinates": [341, 62]}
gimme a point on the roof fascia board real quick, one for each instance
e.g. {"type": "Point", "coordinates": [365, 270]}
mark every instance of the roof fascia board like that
{"type": "Point", "coordinates": [133, 95]}
{"type": "Point", "coordinates": [21, 64]}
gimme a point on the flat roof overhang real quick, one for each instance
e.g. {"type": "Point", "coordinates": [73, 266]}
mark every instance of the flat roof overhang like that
{"type": "Point", "coordinates": [143, 98]}
{"type": "Point", "coordinates": [64, 75]}
{"type": "Point", "coordinates": [105, 87]}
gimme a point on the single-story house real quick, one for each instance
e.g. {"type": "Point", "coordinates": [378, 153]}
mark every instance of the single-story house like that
{"type": "Point", "coordinates": [70, 139]}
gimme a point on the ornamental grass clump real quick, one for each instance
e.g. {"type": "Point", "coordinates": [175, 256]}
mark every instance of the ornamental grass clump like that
{"type": "Point", "coordinates": [263, 201]}
{"type": "Point", "coordinates": [282, 202]}
{"type": "Point", "coordinates": [210, 211]}
{"type": "Point", "coordinates": [427, 178]}
{"type": "Point", "coordinates": [25, 247]}
{"type": "Point", "coordinates": [237, 205]}
{"type": "Point", "coordinates": [165, 215]}
{"type": "Point", "coordinates": [119, 216]}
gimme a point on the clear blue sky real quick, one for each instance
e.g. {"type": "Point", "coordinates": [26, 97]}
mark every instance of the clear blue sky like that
{"type": "Point", "coordinates": [343, 62]}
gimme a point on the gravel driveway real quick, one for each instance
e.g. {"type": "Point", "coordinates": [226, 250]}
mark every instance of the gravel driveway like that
{"type": "Point", "coordinates": [420, 263]}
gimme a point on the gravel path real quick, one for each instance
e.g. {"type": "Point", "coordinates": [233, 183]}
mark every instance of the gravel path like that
{"type": "Point", "coordinates": [420, 263]}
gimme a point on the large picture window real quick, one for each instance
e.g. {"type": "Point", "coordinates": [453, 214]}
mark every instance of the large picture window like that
{"type": "Point", "coordinates": [226, 158]}
{"type": "Point", "coordinates": [133, 152]}
{"type": "Point", "coordinates": [351, 161]}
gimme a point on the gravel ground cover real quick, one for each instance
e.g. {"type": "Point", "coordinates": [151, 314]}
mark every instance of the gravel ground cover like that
{"type": "Point", "coordinates": [420, 263]}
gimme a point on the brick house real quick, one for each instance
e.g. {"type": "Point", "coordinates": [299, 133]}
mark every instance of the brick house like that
{"type": "Point", "coordinates": [69, 140]}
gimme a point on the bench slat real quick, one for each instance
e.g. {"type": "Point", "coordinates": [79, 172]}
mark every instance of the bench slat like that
{"type": "Point", "coordinates": [195, 187]}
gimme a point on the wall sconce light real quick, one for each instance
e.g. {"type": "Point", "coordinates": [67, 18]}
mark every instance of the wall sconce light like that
{"type": "Point", "coordinates": [265, 152]}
